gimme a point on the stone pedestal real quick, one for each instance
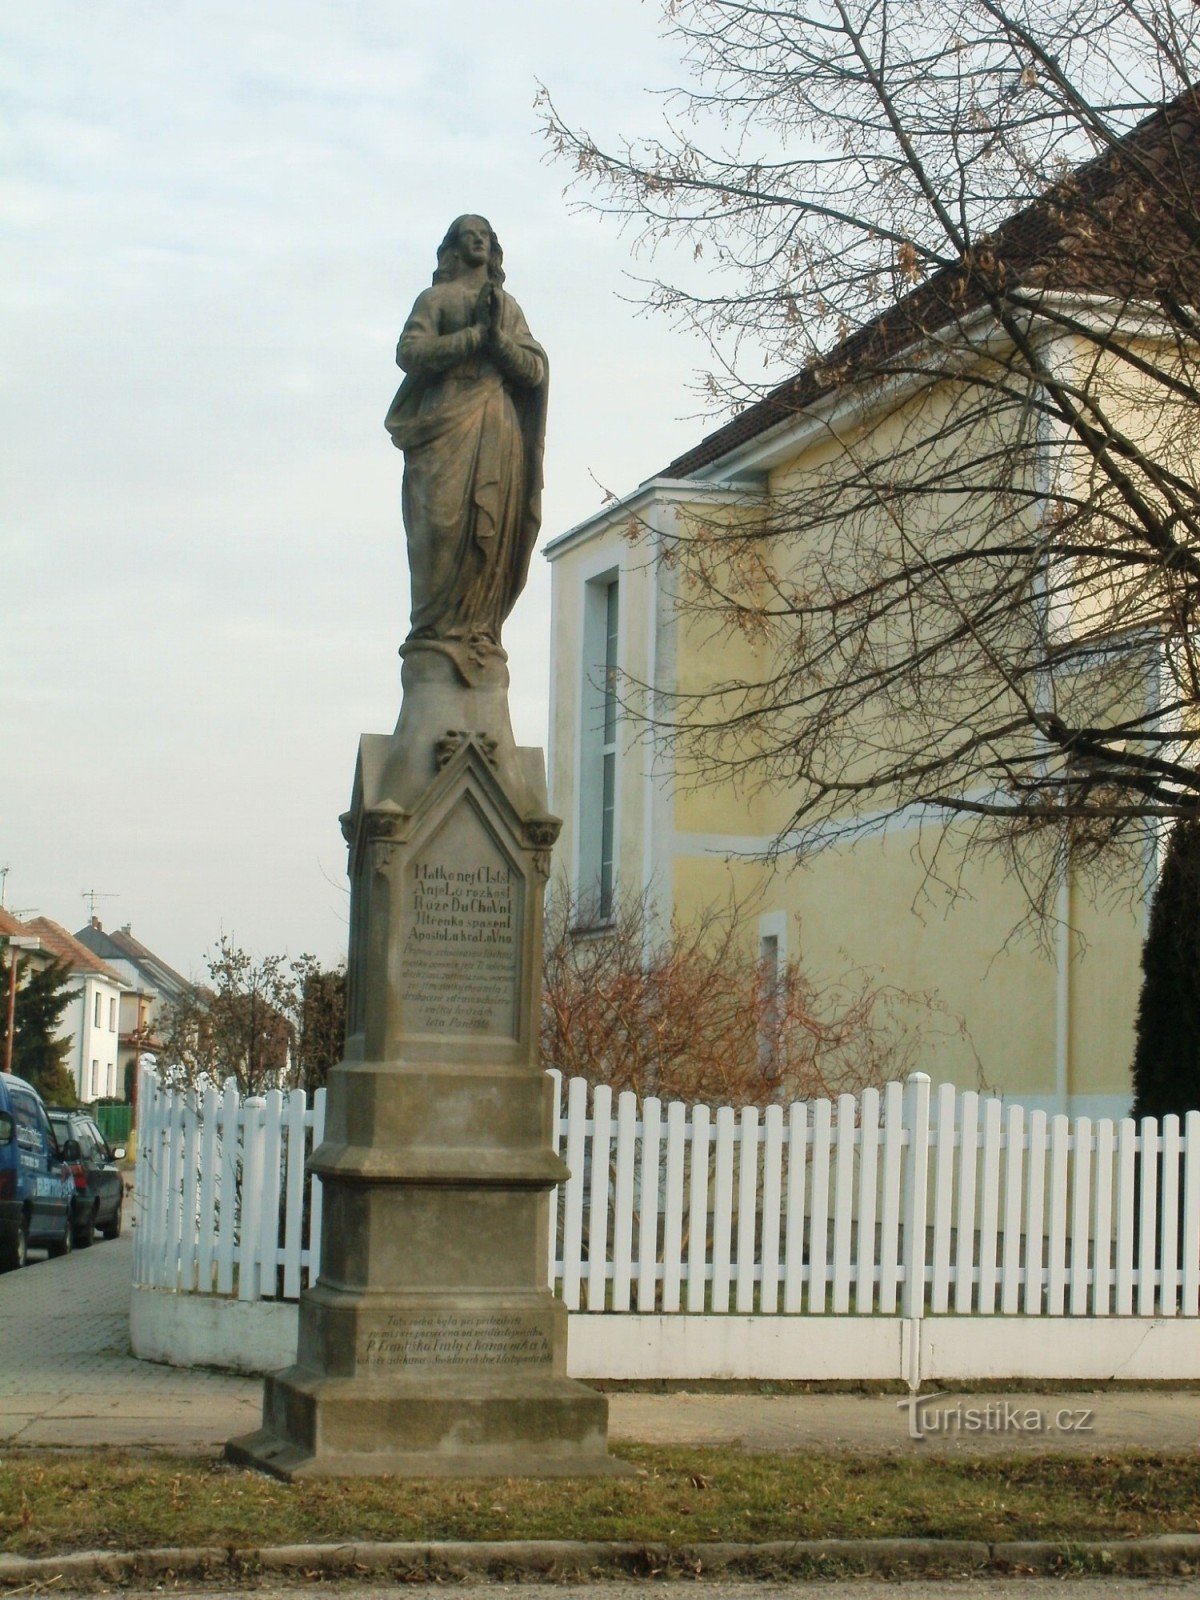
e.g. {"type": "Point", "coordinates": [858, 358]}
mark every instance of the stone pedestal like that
{"type": "Point", "coordinates": [431, 1345]}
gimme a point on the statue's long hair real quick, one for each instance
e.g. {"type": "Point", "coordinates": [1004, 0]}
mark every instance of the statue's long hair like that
{"type": "Point", "coordinates": [449, 262]}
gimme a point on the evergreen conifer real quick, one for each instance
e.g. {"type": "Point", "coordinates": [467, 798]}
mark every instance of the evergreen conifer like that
{"type": "Point", "coordinates": [37, 1055]}
{"type": "Point", "coordinates": [1166, 1064]}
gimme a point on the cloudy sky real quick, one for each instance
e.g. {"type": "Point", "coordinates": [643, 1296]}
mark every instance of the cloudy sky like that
{"type": "Point", "coordinates": [215, 218]}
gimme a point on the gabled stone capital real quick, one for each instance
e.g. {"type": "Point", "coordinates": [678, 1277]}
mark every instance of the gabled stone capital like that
{"type": "Point", "coordinates": [456, 739]}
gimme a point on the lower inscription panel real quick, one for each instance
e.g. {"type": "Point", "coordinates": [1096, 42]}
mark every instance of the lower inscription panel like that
{"type": "Point", "coordinates": [457, 1339]}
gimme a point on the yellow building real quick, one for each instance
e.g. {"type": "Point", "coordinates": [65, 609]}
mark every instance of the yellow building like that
{"type": "Point", "coordinates": [1048, 1012]}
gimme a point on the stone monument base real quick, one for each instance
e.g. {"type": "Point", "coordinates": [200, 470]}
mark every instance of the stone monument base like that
{"type": "Point", "coordinates": [430, 1384]}
{"type": "Point", "coordinates": [431, 1345]}
{"type": "Point", "coordinates": [480, 1426]}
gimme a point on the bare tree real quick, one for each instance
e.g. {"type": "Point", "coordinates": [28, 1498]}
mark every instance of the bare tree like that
{"type": "Point", "coordinates": [971, 234]}
{"type": "Point", "coordinates": [262, 1023]}
{"type": "Point", "coordinates": [691, 1015]}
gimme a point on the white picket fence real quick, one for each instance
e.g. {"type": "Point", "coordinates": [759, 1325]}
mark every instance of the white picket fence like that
{"type": "Point", "coordinates": [225, 1206]}
{"type": "Point", "coordinates": [904, 1202]}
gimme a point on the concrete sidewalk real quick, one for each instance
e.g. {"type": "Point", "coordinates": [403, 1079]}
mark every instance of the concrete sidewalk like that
{"type": "Point", "coordinates": [67, 1378]}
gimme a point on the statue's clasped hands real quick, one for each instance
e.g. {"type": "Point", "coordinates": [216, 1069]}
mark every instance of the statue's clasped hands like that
{"type": "Point", "coordinates": [488, 307]}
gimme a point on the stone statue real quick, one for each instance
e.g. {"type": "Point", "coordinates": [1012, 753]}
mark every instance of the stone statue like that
{"type": "Point", "coordinates": [470, 417]}
{"type": "Point", "coordinates": [430, 1344]}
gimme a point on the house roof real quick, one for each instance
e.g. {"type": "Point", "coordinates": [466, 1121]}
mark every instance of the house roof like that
{"type": "Point", "coordinates": [1107, 229]}
{"type": "Point", "coordinates": [9, 924]}
{"type": "Point", "coordinates": [119, 944]}
{"type": "Point", "coordinates": [68, 948]}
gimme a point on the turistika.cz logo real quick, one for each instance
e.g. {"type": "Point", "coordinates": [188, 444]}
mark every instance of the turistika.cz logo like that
{"type": "Point", "coordinates": [926, 1417]}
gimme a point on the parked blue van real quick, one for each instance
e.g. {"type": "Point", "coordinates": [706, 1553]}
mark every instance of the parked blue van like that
{"type": "Point", "coordinates": [35, 1182]}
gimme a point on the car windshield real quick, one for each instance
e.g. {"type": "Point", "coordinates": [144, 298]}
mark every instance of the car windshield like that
{"type": "Point", "coordinates": [62, 1128]}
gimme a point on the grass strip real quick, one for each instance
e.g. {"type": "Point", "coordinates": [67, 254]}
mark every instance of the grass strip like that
{"type": "Point", "coordinates": [55, 1502]}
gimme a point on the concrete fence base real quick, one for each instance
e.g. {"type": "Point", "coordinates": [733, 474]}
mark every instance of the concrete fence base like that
{"type": "Point", "coordinates": [256, 1336]}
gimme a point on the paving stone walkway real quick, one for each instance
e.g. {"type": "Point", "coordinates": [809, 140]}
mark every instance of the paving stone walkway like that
{"type": "Point", "coordinates": [67, 1377]}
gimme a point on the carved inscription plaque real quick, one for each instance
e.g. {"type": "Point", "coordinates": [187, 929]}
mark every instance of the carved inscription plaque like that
{"type": "Point", "coordinates": [453, 1339]}
{"type": "Point", "coordinates": [461, 960]}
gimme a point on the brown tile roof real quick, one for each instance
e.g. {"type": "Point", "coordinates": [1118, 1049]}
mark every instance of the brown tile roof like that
{"type": "Point", "coordinates": [1109, 229]}
{"type": "Point", "coordinates": [67, 948]}
{"type": "Point", "coordinates": [9, 924]}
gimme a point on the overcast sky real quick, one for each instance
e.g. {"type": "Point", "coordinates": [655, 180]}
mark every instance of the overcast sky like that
{"type": "Point", "coordinates": [215, 219]}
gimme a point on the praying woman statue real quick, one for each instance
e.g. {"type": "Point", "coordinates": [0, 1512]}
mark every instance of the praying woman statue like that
{"type": "Point", "coordinates": [470, 417]}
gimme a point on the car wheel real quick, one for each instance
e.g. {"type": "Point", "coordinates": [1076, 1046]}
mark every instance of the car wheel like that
{"type": "Point", "coordinates": [85, 1234]}
{"type": "Point", "coordinates": [112, 1230]}
{"type": "Point", "coordinates": [62, 1247]}
{"type": "Point", "coordinates": [15, 1252]}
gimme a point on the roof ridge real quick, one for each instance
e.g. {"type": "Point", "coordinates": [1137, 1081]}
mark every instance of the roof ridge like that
{"type": "Point", "coordinates": [894, 327]}
{"type": "Point", "coordinates": [70, 949]}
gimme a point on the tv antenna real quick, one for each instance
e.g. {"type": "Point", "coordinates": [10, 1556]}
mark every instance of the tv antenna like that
{"type": "Point", "coordinates": [92, 895]}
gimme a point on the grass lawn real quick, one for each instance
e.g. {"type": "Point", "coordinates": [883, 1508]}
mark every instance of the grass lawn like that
{"type": "Point", "coordinates": [54, 1502]}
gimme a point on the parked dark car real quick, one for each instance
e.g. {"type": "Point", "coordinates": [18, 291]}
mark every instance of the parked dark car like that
{"type": "Point", "coordinates": [35, 1184]}
{"type": "Point", "coordinates": [98, 1200]}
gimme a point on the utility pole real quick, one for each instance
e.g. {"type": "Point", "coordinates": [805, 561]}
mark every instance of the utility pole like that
{"type": "Point", "coordinates": [14, 943]}
{"type": "Point", "coordinates": [10, 1010]}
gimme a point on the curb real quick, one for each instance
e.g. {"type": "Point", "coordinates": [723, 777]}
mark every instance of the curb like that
{"type": "Point", "coordinates": [1165, 1555]}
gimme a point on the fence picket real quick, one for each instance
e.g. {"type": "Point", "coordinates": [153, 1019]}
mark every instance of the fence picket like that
{"type": "Point", "coordinates": [623, 1195]}
{"type": "Point", "coordinates": [148, 1212]}
{"type": "Point", "coordinates": [1081, 1192]}
{"type": "Point", "coordinates": [818, 1208]}
{"type": "Point", "coordinates": [173, 1166]}
{"type": "Point", "coordinates": [647, 1269]}
{"type": "Point", "coordinates": [793, 1234]}
{"type": "Point", "coordinates": [227, 1190]}
{"type": "Point", "coordinates": [916, 1192]}
{"type": "Point", "coordinates": [1035, 1213]}
{"type": "Point", "coordinates": [1148, 1217]}
{"type": "Point", "coordinates": [843, 1201]}
{"type": "Point", "coordinates": [1168, 1288]}
{"type": "Point", "coordinates": [943, 1198]}
{"type": "Point", "coordinates": [747, 1208]}
{"type": "Point", "coordinates": [1102, 1180]}
{"type": "Point", "coordinates": [772, 1189]}
{"type": "Point", "coordinates": [155, 1186]}
{"type": "Point", "coordinates": [1126, 1182]}
{"type": "Point", "coordinates": [267, 1250]}
{"type": "Point", "coordinates": [597, 1278]}
{"type": "Point", "coordinates": [209, 1159]}
{"type": "Point", "coordinates": [889, 1226]}
{"type": "Point", "coordinates": [1190, 1242]}
{"type": "Point", "coordinates": [722, 1228]}
{"type": "Point", "coordinates": [1010, 1263]}
{"type": "Point", "coordinates": [1056, 1248]}
{"type": "Point", "coordinates": [697, 1270]}
{"type": "Point", "coordinates": [989, 1205]}
{"type": "Point", "coordinates": [968, 1159]}
{"type": "Point", "coordinates": [253, 1141]}
{"type": "Point", "coordinates": [673, 1210]}
{"type": "Point", "coordinates": [189, 1213]}
{"type": "Point", "coordinates": [293, 1222]}
{"type": "Point", "coordinates": [868, 1179]}
{"type": "Point", "coordinates": [573, 1199]}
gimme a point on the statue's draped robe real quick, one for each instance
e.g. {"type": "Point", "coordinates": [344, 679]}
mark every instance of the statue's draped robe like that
{"type": "Point", "coordinates": [472, 427]}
